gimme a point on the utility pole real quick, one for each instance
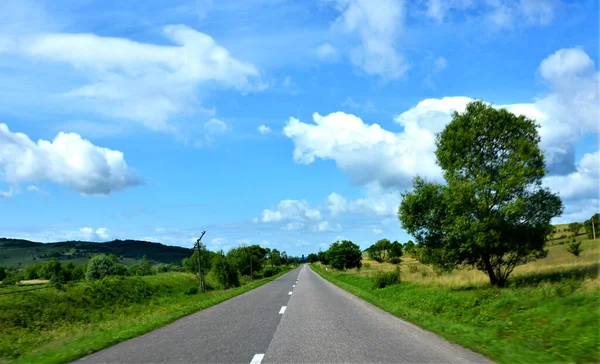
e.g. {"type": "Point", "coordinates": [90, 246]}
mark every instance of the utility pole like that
{"type": "Point", "coordinates": [200, 274]}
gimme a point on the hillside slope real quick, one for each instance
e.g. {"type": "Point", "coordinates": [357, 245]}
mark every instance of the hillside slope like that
{"type": "Point", "coordinates": [15, 252]}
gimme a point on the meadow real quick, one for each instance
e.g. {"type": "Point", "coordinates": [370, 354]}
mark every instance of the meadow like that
{"type": "Point", "coordinates": [61, 323]}
{"type": "Point", "coordinates": [550, 311]}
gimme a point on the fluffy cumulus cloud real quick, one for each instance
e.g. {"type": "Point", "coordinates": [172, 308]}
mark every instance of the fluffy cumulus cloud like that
{"type": "Point", "coordinates": [68, 160]}
{"type": "Point", "coordinates": [143, 82]}
{"type": "Point", "coordinates": [366, 152]}
{"type": "Point", "coordinates": [376, 201]}
{"type": "Point", "coordinates": [385, 161]}
{"type": "Point", "coordinates": [289, 211]}
{"type": "Point", "coordinates": [88, 233]}
{"type": "Point", "coordinates": [376, 26]}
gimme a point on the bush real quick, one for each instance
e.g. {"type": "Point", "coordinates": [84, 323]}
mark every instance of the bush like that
{"type": "Point", "coordinates": [224, 272]}
{"type": "Point", "coordinates": [98, 267]}
{"type": "Point", "coordinates": [383, 279]}
{"type": "Point", "coordinates": [270, 271]}
{"type": "Point", "coordinates": [575, 248]}
{"type": "Point", "coordinates": [394, 260]}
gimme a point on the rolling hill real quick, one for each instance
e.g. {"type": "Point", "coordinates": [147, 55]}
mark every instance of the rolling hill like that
{"type": "Point", "coordinates": [17, 252]}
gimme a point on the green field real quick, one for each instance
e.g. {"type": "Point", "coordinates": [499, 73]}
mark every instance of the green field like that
{"type": "Point", "coordinates": [549, 313]}
{"type": "Point", "coordinates": [58, 325]}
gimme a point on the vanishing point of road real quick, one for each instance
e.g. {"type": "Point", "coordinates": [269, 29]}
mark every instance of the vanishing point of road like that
{"type": "Point", "coordinates": [297, 318]}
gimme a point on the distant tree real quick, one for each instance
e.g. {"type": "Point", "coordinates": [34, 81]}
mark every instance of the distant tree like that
{"type": "Point", "coordinates": [2, 273]}
{"type": "Point", "coordinates": [551, 231]}
{"type": "Point", "coordinates": [492, 212]}
{"type": "Point", "coordinates": [574, 228]}
{"type": "Point", "coordinates": [284, 258]}
{"type": "Point", "coordinates": [145, 266]}
{"type": "Point", "coordinates": [247, 259]}
{"type": "Point", "coordinates": [344, 254]}
{"type": "Point", "coordinates": [313, 258]}
{"type": "Point", "coordinates": [323, 258]}
{"type": "Point", "coordinates": [275, 257]}
{"type": "Point", "coordinates": [32, 271]}
{"type": "Point", "coordinates": [575, 248]}
{"type": "Point", "coordinates": [395, 250]}
{"type": "Point", "coordinates": [409, 248]}
{"type": "Point", "coordinates": [379, 250]}
{"type": "Point", "coordinates": [98, 267]}
{"type": "Point", "coordinates": [591, 228]}
{"type": "Point", "coordinates": [51, 269]}
{"type": "Point", "coordinates": [224, 271]}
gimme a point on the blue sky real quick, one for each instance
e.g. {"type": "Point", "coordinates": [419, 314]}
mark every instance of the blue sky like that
{"type": "Point", "coordinates": [284, 123]}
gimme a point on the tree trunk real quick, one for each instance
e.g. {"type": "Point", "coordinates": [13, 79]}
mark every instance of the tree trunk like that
{"type": "Point", "coordinates": [490, 270]}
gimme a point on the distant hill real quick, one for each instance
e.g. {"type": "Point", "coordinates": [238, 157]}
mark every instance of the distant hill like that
{"type": "Point", "coordinates": [18, 252]}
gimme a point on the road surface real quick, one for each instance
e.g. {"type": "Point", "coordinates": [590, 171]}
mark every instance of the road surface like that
{"type": "Point", "coordinates": [297, 318]}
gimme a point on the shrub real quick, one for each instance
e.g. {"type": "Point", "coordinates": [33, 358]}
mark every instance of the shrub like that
{"type": "Point", "coordinates": [225, 273]}
{"type": "Point", "coordinates": [383, 279]}
{"type": "Point", "coordinates": [270, 271]}
{"type": "Point", "coordinates": [98, 267]}
{"type": "Point", "coordinates": [575, 248]}
{"type": "Point", "coordinates": [394, 260]}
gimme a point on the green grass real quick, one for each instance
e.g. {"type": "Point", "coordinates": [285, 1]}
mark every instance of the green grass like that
{"type": "Point", "coordinates": [545, 318]}
{"type": "Point", "coordinates": [58, 326]}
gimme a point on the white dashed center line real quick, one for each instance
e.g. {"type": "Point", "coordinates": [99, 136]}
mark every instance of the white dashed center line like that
{"type": "Point", "coordinates": [293, 286]}
{"type": "Point", "coordinates": [282, 310]}
{"type": "Point", "coordinates": [290, 293]}
{"type": "Point", "coordinates": [257, 358]}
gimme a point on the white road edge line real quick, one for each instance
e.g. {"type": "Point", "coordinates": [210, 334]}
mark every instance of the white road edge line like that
{"type": "Point", "coordinates": [282, 310]}
{"type": "Point", "coordinates": [290, 293]}
{"type": "Point", "coordinates": [257, 358]}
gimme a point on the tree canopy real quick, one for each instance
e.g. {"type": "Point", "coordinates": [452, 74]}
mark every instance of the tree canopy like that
{"type": "Point", "coordinates": [344, 254]}
{"type": "Point", "coordinates": [492, 213]}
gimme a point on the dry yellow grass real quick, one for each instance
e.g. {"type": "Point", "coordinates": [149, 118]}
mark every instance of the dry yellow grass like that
{"type": "Point", "coordinates": [32, 282]}
{"type": "Point", "coordinates": [558, 259]}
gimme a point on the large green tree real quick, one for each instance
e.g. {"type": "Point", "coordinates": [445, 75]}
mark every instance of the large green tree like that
{"type": "Point", "coordinates": [493, 212]}
{"type": "Point", "coordinates": [344, 254]}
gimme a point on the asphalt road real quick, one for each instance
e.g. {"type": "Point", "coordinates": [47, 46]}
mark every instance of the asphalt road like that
{"type": "Point", "coordinates": [230, 332]}
{"type": "Point", "coordinates": [320, 324]}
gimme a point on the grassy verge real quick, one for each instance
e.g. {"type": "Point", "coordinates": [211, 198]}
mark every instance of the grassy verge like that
{"type": "Point", "coordinates": [58, 326]}
{"type": "Point", "coordinates": [547, 319]}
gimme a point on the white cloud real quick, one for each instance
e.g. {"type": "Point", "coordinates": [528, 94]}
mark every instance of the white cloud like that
{"type": "Point", "coordinates": [215, 127]}
{"type": "Point", "coordinates": [263, 129]}
{"type": "Point", "coordinates": [327, 52]}
{"type": "Point", "coordinates": [377, 25]}
{"type": "Point", "coordinates": [88, 233]}
{"type": "Point", "coordinates": [376, 201]}
{"type": "Point", "coordinates": [582, 184]}
{"type": "Point", "coordinates": [291, 210]}
{"type": "Point", "coordinates": [324, 226]}
{"type": "Point", "coordinates": [68, 160]}
{"type": "Point", "coordinates": [366, 152]}
{"type": "Point", "coordinates": [377, 231]}
{"type": "Point", "coordinates": [143, 82]}
{"type": "Point", "coordinates": [244, 241]}
{"type": "Point", "coordinates": [499, 14]}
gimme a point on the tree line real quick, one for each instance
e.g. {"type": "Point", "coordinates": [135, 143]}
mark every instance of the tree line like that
{"type": "Point", "coordinates": [228, 269]}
